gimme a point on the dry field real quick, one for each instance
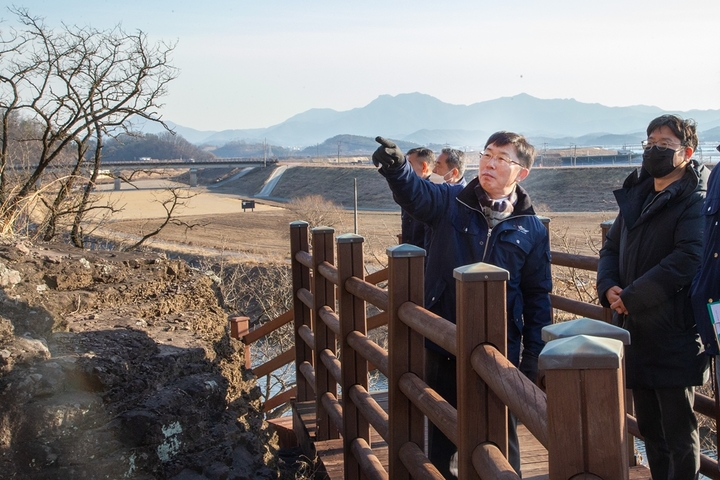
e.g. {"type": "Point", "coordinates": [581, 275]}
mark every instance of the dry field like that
{"type": "Point", "coordinates": [217, 225]}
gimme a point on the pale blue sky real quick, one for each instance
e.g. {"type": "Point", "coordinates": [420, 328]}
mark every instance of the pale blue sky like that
{"type": "Point", "coordinates": [250, 64]}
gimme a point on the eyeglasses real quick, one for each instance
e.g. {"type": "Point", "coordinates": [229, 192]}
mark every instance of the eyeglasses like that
{"type": "Point", "coordinates": [662, 146]}
{"type": "Point", "coordinates": [486, 157]}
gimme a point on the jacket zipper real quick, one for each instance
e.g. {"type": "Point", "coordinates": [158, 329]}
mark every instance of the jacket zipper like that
{"type": "Point", "coordinates": [652, 201]}
{"type": "Point", "coordinates": [490, 229]}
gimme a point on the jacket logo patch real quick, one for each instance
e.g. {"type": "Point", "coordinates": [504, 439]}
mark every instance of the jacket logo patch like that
{"type": "Point", "coordinates": [522, 229]}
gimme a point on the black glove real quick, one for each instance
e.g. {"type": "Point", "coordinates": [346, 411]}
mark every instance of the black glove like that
{"type": "Point", "coordinates": [388, 154]}
{"type": "Point", "coordinates": [529, 366]}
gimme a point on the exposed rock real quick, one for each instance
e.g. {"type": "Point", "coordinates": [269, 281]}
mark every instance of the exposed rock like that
{"type": "Point", "coordinates": [120, 366]}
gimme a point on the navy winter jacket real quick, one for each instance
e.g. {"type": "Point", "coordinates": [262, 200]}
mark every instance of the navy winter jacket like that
{"type": "Point", "coordinates": [706, 285]}
{"type": "Point", "coordinates": [461, 235]}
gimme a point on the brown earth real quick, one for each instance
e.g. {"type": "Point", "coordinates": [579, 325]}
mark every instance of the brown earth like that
{"type": "Point", "coordinates": [576, 200]}
{"type": "Point", "coordinates": [120, 365]}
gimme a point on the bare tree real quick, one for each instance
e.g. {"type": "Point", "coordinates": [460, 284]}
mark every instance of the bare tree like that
{"type": "Point", "coordinates": [176, 199]}
{"type": "Point", "coordinates": [76, 85]}
{"type": "Point", "coordinates": [317, 211]}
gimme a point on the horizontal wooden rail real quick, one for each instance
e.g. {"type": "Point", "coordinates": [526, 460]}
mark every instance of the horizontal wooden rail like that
{"type": "Point", "coordinates": [330, 318]}
{"type": "Point", "coordinates": [369, 463]}
{"type": "Point", "coordinates": [582, 262]}
{"type": "Point", "coordinates": [368, 292]}
{"type": "Point", "coordinates": [308, 372]}
{"type": "Point", "coordinates": [519, 393]}
{"type": "Point", "coordinates": [274, 363]}
{"type": "Point", "coordinates": [433, 327]}
{"type": "Point", "coordinates": [370, 409]}
{"type": "Point", "coordinates": [489, 460]}
{"type": "Point", "coordinates": [709, 467]}
{"type": "Point", "coordinates": [304, 258]}
{"type": "Point", "coordinates": [377, 321]}
{"type": "Point", "coordinates": [328, 271]}
{"type": "Point", "coordinates": [436, 408]}
{"type": "Point", "coordinates": [268, 327]}
{"type": "Point", "coordinates": [334, 410]}
{"type": "Point", "coordinates": [306, 297]}
{"type": "Point", "coordinates": [377, 277]}
{"type": "Point", "coordinates": [577, 307]}
{"type": "Point", "coordinates": [328, 358]}
{"type": "Point", "coordinates": [370, 351]}
{"type": "Point", "coordinates": [417, 463]}
{"type": "Point", "coordinates": [705, 405]}
{"type": "Point", "coordinates": [279, 399]}
{"type": "Point", "coordinates": [307, 335]}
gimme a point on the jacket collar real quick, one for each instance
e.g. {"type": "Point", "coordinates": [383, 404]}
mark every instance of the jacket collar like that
{"type": "Point", "coordinates": [469, 198]}
{"type": "Point", "coordinates": [639, 185]}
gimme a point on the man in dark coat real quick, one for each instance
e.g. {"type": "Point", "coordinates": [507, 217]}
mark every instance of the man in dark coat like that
{"type": "Point", "coordinates": [490, 220]}
{"type": "Point", "coordinates": [647, 264]}
{"type": "Point", "coordinates": [412, 231]}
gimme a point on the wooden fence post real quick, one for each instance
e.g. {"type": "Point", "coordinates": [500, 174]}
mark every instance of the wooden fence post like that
{"type": "Point", "coordinates": [323, 294]}
{"type": "Point", "coordinates": [586, 439]}
{"type": "Point", "coordinates": [406, 353]}
{"type": "Point", "coordinates": [239, 327]}
{"type": "Point", "coordinates": [353, 317]}
{"type": "Point", "coordinates": [300, 279]}
{"type": "Point", "coordinates": [481, 318]}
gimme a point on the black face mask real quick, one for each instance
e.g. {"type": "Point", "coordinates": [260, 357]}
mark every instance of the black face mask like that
{"type": "Point", "coordinates": [658, 163]}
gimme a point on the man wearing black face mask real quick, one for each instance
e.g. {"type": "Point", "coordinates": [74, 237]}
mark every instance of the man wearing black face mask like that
{"type": "Point", "coordinates": [647, 264]}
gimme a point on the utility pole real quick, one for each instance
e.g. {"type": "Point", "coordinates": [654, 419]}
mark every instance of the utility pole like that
{"type": "Point", "coordinates": [265, 152]}
{"type": "Point", "coordinates": [338, 159]}
{"type": "Point", "coordinates": [356, 209]}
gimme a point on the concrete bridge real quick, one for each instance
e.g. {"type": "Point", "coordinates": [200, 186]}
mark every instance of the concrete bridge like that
{"type": "Point", "coordinates": [192, 165]}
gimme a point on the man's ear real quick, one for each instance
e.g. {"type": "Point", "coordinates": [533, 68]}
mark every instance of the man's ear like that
{"type": "Point", "coordinates": [522, 174]}
{"type": "Point", "coordinates": [689, 152]}
{"type": "Point", "coordinates": [426, 170]}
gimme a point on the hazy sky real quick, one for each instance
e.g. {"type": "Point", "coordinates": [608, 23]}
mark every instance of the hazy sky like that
{"type": "Point", "coordinates": [255, 63]}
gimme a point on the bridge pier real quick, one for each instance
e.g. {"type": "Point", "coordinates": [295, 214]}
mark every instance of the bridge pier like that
{"type": "Point", "coordinates": [117, 182]}
{"type": "Point", "coordinates": [193, 177]}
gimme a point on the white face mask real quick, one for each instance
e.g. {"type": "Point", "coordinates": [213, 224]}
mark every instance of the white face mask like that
{"type": "Point", "coordinates": [435, 178]}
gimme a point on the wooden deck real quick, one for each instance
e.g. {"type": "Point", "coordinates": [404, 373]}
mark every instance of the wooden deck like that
{"type": "Point", "coordinates": [330, 452]}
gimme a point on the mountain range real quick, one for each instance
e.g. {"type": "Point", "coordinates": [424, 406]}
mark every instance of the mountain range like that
{"type": "Point", "coordinates": [424, 120]}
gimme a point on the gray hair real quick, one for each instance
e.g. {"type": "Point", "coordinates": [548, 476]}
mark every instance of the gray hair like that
{"type": "Point", "coordinates": [455, 159]}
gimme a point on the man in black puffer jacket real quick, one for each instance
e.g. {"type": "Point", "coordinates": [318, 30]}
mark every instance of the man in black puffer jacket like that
{"type": "Point", "coordinates": [647, 264]}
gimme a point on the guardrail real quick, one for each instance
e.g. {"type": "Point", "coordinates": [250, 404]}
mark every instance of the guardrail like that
{"type": "Point", "coordinates": [482, 368]}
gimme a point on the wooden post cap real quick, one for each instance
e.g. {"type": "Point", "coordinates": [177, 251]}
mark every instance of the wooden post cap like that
{"type": "Point", "coordinates": [239, 326]}
{"type": "Point", "coordinates": [322, 229]}
{"type": "Point", "coordinates": [404, 251]}
{"type": "Point", "coordinates": [349, 238]}
{"type": "Point", "coordinates": [479, 272]}
{"type": "Point", "coordinates": [585, 326]}
{"type": "Point", "coordinates": [298, 224]}
{"type": "Point", "coordinates": [581, 352]}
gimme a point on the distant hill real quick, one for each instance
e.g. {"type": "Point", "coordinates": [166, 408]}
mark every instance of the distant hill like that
{"type": "Point", "coordinates": [423, 119]}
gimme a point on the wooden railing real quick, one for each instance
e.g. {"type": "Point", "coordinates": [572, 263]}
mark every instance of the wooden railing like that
{"type": "Point", "coordinates": [483, 371]}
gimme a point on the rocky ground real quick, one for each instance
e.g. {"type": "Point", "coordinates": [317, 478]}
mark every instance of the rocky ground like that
{"type": "Point", "coordinates": [120, 366]}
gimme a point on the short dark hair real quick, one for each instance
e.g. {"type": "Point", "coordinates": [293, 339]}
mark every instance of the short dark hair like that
{"type": "Point", "coordinates": [525, 151]}
{"type": "Point", "coordinates": [425, 153]}
{"type": "Point", "coordinates": [684, 130]}
{"type": "Point", "coordinates": [455, 159]}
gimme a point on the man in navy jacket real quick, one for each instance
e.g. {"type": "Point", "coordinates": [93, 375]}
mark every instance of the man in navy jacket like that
{"type": "Point", "coordinates": [706, 285]}
{"type": "Point", "coordinates": [490, 220]}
